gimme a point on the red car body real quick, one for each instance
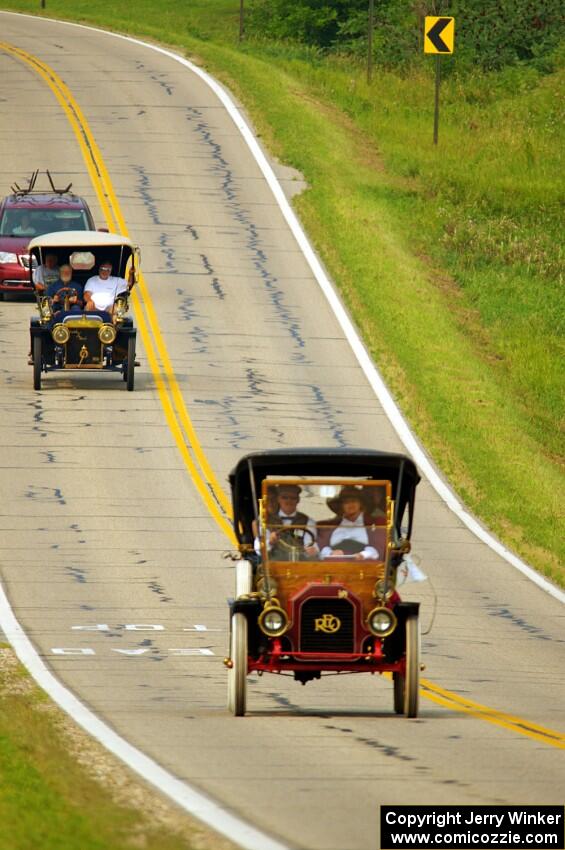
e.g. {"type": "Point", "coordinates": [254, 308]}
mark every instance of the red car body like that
{"type": "Point", "coordinates": [46, 212]}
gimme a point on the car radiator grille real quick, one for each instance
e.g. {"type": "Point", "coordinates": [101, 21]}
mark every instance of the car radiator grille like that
{"type": "Point", "coordinates": [326, 625]}
{"type": "Point", "coordinates": [87, 343]}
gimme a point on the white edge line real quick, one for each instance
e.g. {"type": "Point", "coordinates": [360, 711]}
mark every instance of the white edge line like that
{"type": "Point", "coordinates": [192, 801]}
{"type": "Point", "coordinates": [189, 799]}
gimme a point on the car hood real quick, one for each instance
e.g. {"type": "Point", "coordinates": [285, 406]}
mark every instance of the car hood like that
{"type": "Point", "coordinates": [14, 244]}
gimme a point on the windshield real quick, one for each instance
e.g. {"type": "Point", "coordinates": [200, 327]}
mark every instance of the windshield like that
{"type": "Point", "coordinates": [30, 222]}
{"type": "Point", "coordinates": [334, 519]}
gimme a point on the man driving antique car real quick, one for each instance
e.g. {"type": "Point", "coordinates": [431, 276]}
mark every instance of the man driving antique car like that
{"type": "Point", "coordinates": [65, 289]}
{"type": "Point", "coordinates": [290, 533]}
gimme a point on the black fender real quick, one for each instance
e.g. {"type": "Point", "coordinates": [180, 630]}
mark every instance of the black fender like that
{"type": "Point", "coordinates": [394, 646]}
{"type": "Point", "coordinates": [251, 609]}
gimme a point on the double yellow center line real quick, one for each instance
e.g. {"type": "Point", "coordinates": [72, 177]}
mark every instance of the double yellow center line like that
{"type": "Point", "coordinates": [173, 403]}
{"type": "Point", "coordinates": [165, 379]}
{"type": "Point", "coordinates": [452, 701]}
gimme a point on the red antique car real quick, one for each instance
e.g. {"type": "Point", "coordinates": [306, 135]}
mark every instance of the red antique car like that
{"type": "Point", "coordinates": [321, 536]}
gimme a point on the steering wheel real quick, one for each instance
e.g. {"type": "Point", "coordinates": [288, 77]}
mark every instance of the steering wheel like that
{"type": "Point", "coordinates": [295, 538]}
{"type": "Point", "coordinates": [67, 290]}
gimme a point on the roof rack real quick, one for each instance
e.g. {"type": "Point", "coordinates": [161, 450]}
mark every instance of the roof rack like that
{"type": "Point", "coordinates": [17, 190]}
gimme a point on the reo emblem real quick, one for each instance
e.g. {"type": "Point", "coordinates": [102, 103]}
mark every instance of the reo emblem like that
{"type": "Point", "coordinates": [328, 624]}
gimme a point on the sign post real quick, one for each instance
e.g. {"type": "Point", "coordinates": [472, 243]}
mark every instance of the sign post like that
{"type": "Point", "coordinates": [439, 37]}
{"type": "Point", "coordinates": [371, 25]}
{"type": "Point", "coordinates": [241, 21]}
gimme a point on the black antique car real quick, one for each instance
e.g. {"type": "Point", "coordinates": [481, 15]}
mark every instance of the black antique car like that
{"type": "Point", "coordinates": [322, 534]}
{"type": "Point", "coordinates": [64, 337]}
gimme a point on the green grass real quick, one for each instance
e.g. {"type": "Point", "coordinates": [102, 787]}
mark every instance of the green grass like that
{"type": "Point", "coordinates": [48, 801]}
{"type": "Point", "coordinates": [449, 258]}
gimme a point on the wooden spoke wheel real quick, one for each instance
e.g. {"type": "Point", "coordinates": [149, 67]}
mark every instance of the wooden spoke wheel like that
{"type": "Point", "coordinates": [237, 673]}
{"type": "Point", "coordinates": [407, 685]}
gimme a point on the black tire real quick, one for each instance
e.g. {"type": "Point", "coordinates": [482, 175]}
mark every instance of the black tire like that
{"type": "Point", "coordinates": [129, 375]}
{"type": "Point", "coordinates": [237, 673]}
{"type": "Point", "coordinates": [412, 682]}
{"type": "Point", "coordinates": [37, 361]}
{"type": "Point", "coordinates": [398, 683]}
{"type": "Point", "coordinates": [407, 685]}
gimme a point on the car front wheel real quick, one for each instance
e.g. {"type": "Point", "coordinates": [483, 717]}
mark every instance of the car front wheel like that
{"type": "Point", "coordinates": [37, 362]}
{"type": "Point", "coordinates": [129, 375]}
{"type": "Point", "coordinates": [237, 673]}
{"type": "Point", "coordinates": [412, 683]}
{"type": "Point", "coordinates": [407, 685]}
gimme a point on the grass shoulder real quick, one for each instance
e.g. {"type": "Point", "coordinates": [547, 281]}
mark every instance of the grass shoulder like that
{"type": "Point", "coordinates": [60, 790]}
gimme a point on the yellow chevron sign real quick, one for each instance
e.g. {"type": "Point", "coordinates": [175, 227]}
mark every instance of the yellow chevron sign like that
{"type": "Point", "coordinates": [439, 35]}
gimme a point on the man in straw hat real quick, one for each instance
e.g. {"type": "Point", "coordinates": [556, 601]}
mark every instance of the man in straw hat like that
{"type": "Point", "coordinates": [352, 532]}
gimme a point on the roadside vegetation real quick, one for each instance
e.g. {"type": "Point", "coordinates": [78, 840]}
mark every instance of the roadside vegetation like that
{"type": "Point", "coordinates": [60, 790]}
{"type": "Point", "coordinates": [450, 258]}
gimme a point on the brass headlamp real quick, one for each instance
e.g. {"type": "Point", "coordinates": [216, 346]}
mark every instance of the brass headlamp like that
{"type": "Point", "coordinates": [273, 620]}
{"type": "Point", "coordinates": [61, 334]}
{"type": "Point", "coordinates": [382, 621]}
{"type": "Point", "coordinates": [107, 334]}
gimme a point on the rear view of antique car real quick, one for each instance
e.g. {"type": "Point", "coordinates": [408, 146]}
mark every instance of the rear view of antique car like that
{"type": "Point", "coordinates": [322, 534]}
{"type": "Point", "coordinates": [63, 337]}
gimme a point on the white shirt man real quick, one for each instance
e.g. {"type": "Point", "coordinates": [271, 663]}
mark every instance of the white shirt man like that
{"type": "Point", "coordinates": [101, 290]}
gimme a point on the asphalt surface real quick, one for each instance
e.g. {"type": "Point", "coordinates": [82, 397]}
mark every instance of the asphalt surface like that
{"type": "Point", "coordinates": [101, 522]}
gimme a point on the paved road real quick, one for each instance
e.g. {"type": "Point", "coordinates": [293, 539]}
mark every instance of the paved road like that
{"type": "Point", "coordinates": [102, 524]}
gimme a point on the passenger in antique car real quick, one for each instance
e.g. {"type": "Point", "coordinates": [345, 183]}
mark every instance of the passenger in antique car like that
{"type": "Point", "coordinates": [65, 281]}
{"type": "Point", "coordinates": [352, 531]}
{"type": "Point", "coordinates": [101, 290]}
{"type": "Point", "coordinates": [46, 273]}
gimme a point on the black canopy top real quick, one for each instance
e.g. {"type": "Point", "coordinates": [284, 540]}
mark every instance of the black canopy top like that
{"type": "Point", "coordinates": [399, 469]}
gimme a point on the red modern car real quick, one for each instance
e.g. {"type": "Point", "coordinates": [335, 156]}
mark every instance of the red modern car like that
{"type": "Point", "coordinates": [26, 214]}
